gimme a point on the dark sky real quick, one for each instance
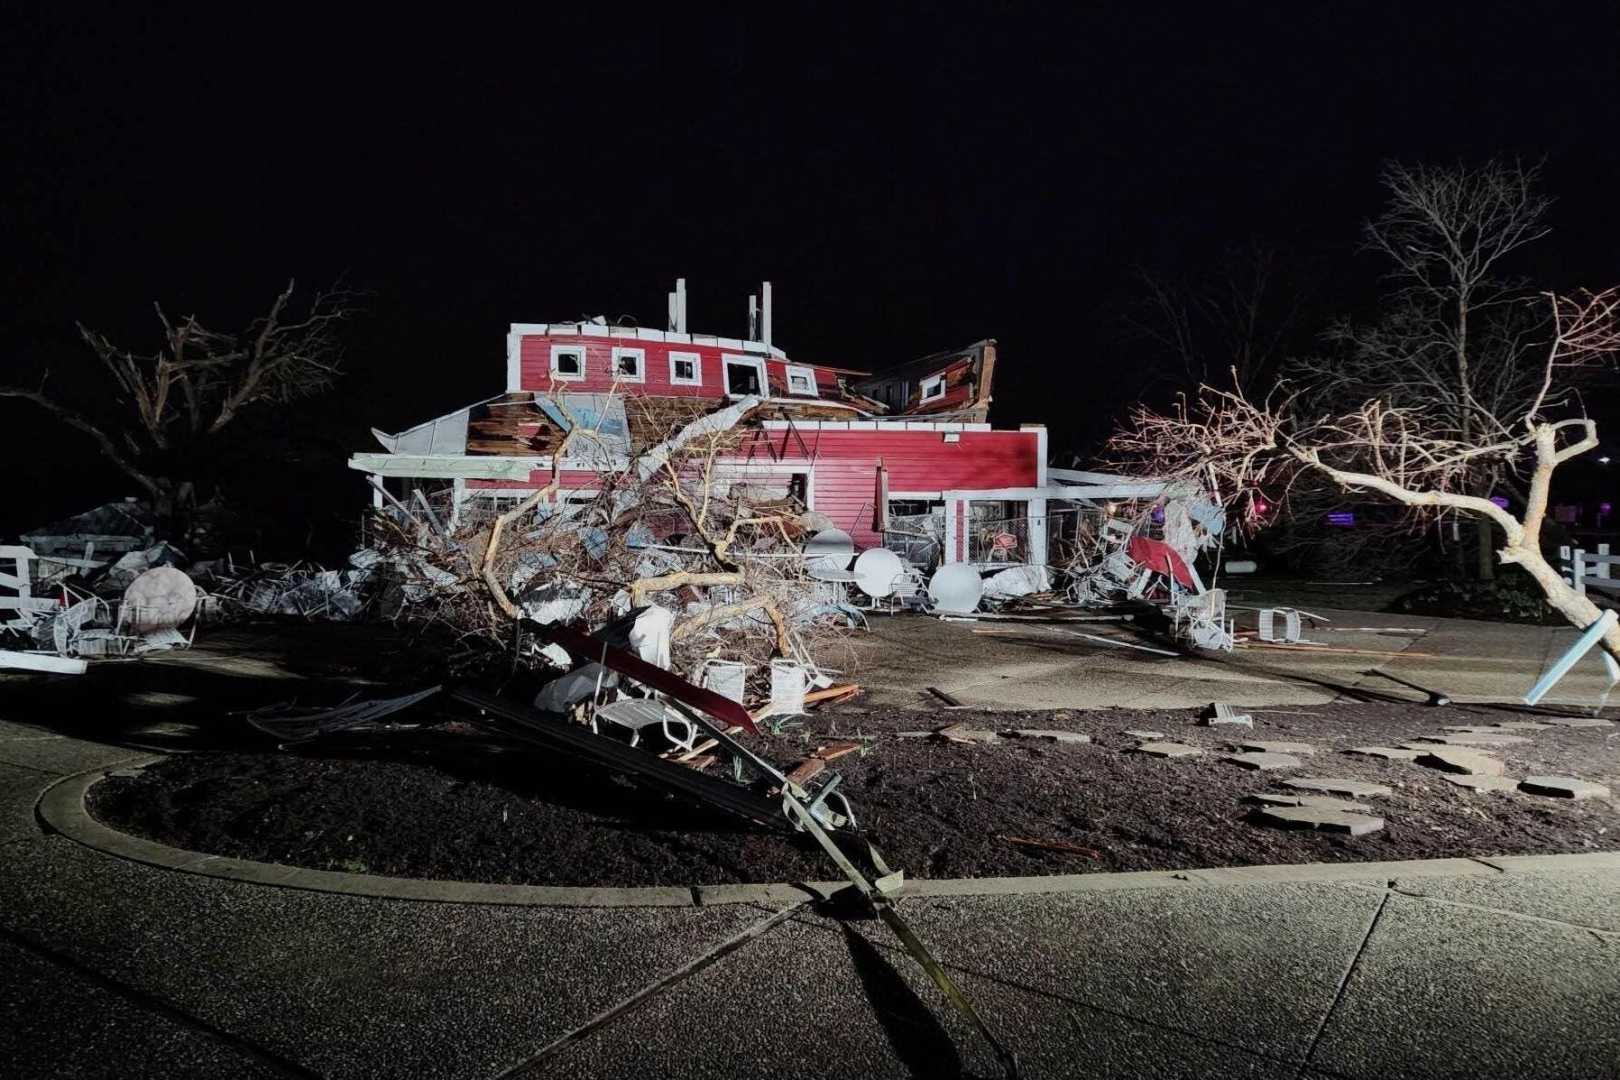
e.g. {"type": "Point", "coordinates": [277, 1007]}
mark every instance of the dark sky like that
{"type": "Point", "coordinates": [908, 181]}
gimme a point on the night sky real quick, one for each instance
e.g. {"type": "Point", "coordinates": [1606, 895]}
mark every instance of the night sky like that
{"type": "Point", "coordinates": [908, 182]}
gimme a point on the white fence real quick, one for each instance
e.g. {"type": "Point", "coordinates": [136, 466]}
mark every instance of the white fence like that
{"type": "Point", "coordinates": [1588, 570]}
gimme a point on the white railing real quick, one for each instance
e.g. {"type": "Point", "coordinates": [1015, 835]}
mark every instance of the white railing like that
{"type": "Point", "coordinates": [1589, 570]}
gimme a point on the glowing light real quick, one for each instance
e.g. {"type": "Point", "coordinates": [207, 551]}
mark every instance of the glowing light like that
{"type": "Point", "coordinates": [1604, 460]}
{"type": "Point", "coordinates": [1499, 501]}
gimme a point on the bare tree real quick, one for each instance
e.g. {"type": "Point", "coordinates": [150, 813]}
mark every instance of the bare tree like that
{"type": "Point", "coordinates": [1457, 333]}
{"type": "Point", "coordinates": [171, 404]}
{"type": "Point", "coordinates": [1239, 319]}
{"type": "Point", "coordinates": [1414, 455]}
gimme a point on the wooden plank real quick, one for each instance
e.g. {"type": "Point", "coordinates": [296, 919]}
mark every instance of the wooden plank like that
{"type": "Point", "coordinates": [836, 751]}
{"type": "Point", "coordinates": [807, 770]}
{"type": "Point", "coordinates": [58, 665]}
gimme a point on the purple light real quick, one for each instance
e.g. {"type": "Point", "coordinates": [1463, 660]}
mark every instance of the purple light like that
{"type": "Point", "coordinates": [1605, 508]}
{"type": "Point", "coordinates": [1343, 519]}
{"type": "Point", "coordinates": [1499, 501]}
{"type": "Point", "coordinates": [1158, 513]}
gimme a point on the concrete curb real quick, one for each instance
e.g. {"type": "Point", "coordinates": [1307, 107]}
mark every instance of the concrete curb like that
{"type": "Point", "coordinates": [61, 807]}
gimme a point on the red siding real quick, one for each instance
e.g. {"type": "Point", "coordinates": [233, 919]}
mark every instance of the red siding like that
{"type": "Point", "coordinates": [845, 485]}
{"type": "Point", "coordinates": [535, 366]}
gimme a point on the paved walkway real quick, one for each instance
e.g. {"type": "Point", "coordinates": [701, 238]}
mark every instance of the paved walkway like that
{"type": "Point", "coordinates": [1459, 968]}
{"type": "Point", "coordinates": [1015, 665]}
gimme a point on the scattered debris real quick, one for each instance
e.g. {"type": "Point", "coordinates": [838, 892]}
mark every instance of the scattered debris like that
{"type": "Point", "coordinates": [1483, 738]}
{"type": "Point", "coordinates": [1220, 713]}
{"type": "Point", "coordinates": [959, 733]}
{"type": "Point", "coordinates": [1323, 802]}
{"type": "Point", "coordinates": [1388, 753]}
{"type": "Point", "coordinates": [1356, 789]}
{"type": "Point", "coordinates": [1468, 762]}
{"type": "Point", "coordinates": [1052, 845]}
{"type": "Point", "coordinates": [1272, 747]}
{"type": "Point", "coordinates": [1482, 783]}
{"type": "Point", "coordinates": [27, 661]}
{"type": "Point", "coordinates": [949, 700]}
{"type": "Point", "coordinates": [1580, 722]}
{"type": "Point", "coordinates": [1434, 697]}
{"type": "Point", "coordinates": [1563, 787]}
{"type": "Point", "coordinates": [1263, 761]}
{"type": "Point", "coordinates": [1169, 749]}
{"type": "Point", "coordinates": [1048, 734]}
{"type": "Point", "coordinates": [1321, 818]}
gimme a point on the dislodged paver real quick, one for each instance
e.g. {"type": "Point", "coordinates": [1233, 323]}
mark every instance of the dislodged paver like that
{"type": "Point", "coordinates": [1476, 738]}
{"type": "Point", "coordinates": [1580, 722]}
{"type": "Point", "coordinates": [1169, 749]}
{"type": "Point", "coordinates": [1270, 747]}
{"type": "Point", "coordinates": [1321, 802]}
{"type": "Point", "coordinates": [1458, 760]}
{"type": "Point", "coordinates": [1388, 753]}
{"type": "Point", "coordinates": [1520, 725]}
{"type": "Point", "coordinates": [963, 734]}
{"type": "Point", "coordinates": [1049, 734]}
{"type": "Point", "coordinates": [1320, 817]}
{"type": "Point", "coordinates": [1563, 787]}
{"type": "Point", "coordinates": [1263, 760]}
{"type": "Point", "coordinates": [1138, 734]}
{"type": "Point", "coordinates": [1482, 783]}
{"type": "Point", "coordinates": [1356, 789]}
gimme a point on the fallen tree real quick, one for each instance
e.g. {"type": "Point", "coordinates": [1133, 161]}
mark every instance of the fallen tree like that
{"type": "Point", "coordinates": [1417, 456]}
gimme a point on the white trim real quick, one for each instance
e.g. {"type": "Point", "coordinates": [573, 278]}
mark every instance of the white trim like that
{"type": "Point", "coordinates": [514, 360]}
{"type": "Point", "coordinates": [590, 329]}
{"type": "Point", "coordinates": [803, 372]}
{"type": "Point", "coordinates": [923, 387]}
{"type": "Point", "coordinates": [641, 364]}
{"type": "Point", "coordinates": [758, 364]}
{"type": "Point", "coordinates": [917, 496]}
{"type": "Point", "coordinates": [1040, 456]}
{"type": "Point", "coordinates": [648, 334]}
{"type": "Point", "coordinates": [697, 368]}
{"type": "Point", "coordinates": [558, 350]}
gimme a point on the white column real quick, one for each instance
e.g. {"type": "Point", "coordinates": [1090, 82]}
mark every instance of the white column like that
{"type": "Point", "coordinates": [1037, 532]}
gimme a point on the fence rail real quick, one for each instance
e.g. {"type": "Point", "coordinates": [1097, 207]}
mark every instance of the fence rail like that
{"type": "Point", "coordinates": [1589, 570]}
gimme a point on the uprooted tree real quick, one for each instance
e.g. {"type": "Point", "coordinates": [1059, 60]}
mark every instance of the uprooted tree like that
{"type": "Point", "coordinates": [170, 406]}
{"type": "Point", "coordinates": [1418, 455]}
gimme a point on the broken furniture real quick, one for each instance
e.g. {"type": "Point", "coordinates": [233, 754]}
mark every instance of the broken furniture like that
{"type": "Point", "coordinates": [635, 715]}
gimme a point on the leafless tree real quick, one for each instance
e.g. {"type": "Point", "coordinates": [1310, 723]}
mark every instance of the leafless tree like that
{"type": "Point", "coordinates": [1239, 319]}
{"type": "Point", "coordinates": [1458, 334]}
{"type": "Point", "coordinates": [1414, 455]}
{"type": "Point", "coordinates": [172, 403]}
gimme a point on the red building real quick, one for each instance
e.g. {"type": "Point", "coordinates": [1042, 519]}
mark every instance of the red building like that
{"type": "Point", "coordinates": [906, 457]}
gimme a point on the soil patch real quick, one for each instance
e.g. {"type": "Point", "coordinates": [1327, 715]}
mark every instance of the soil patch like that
{"type": "Point", "coordinates": [442, 806]}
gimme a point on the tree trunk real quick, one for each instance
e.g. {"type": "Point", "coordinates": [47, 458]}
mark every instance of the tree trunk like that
{"type": "Point", "coordinates": [1574, 606]}
{"type": "Point", "coordinates": [173, 502]}
{"type": "Point", "coordinates": [1485, 550]}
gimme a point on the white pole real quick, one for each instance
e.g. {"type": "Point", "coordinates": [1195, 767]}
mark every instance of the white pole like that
{"type": "Point", "coordinates": [765, 298]}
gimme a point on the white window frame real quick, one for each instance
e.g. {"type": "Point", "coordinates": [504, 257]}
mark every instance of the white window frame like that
{"type": "Point", "coordinates": [559, 350]}
{"type": "Point", "coordinates": [808, 374]}
{"type": "Point", "coordinates": [726, 360]}
{"type": "Point", "coordinates": [622, 351]}
{"type": "Point", "coordinates": [697, 369]}
{"type": "Point", "coordinates": [937, 383]}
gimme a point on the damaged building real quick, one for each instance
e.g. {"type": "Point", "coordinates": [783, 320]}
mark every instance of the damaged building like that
{"type": "Point", "coordinates": [906, 458]}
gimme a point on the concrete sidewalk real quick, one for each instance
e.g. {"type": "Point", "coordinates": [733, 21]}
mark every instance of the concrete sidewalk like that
{"type": "Point", "coordinates": [1471, 968]}
{"type": "Point", "coordinates": [1022, 665]}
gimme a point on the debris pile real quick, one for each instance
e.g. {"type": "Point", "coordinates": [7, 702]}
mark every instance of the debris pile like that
{"type": "Point", "coordinates": [672, 528]}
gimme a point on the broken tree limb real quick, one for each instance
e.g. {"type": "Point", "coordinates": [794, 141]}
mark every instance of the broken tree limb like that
{"type": "Point", "coordinates": [640, 590]}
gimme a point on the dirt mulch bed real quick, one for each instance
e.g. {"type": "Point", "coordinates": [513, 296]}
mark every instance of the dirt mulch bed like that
{"type": "Point", "coordinates": [441, 808]}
